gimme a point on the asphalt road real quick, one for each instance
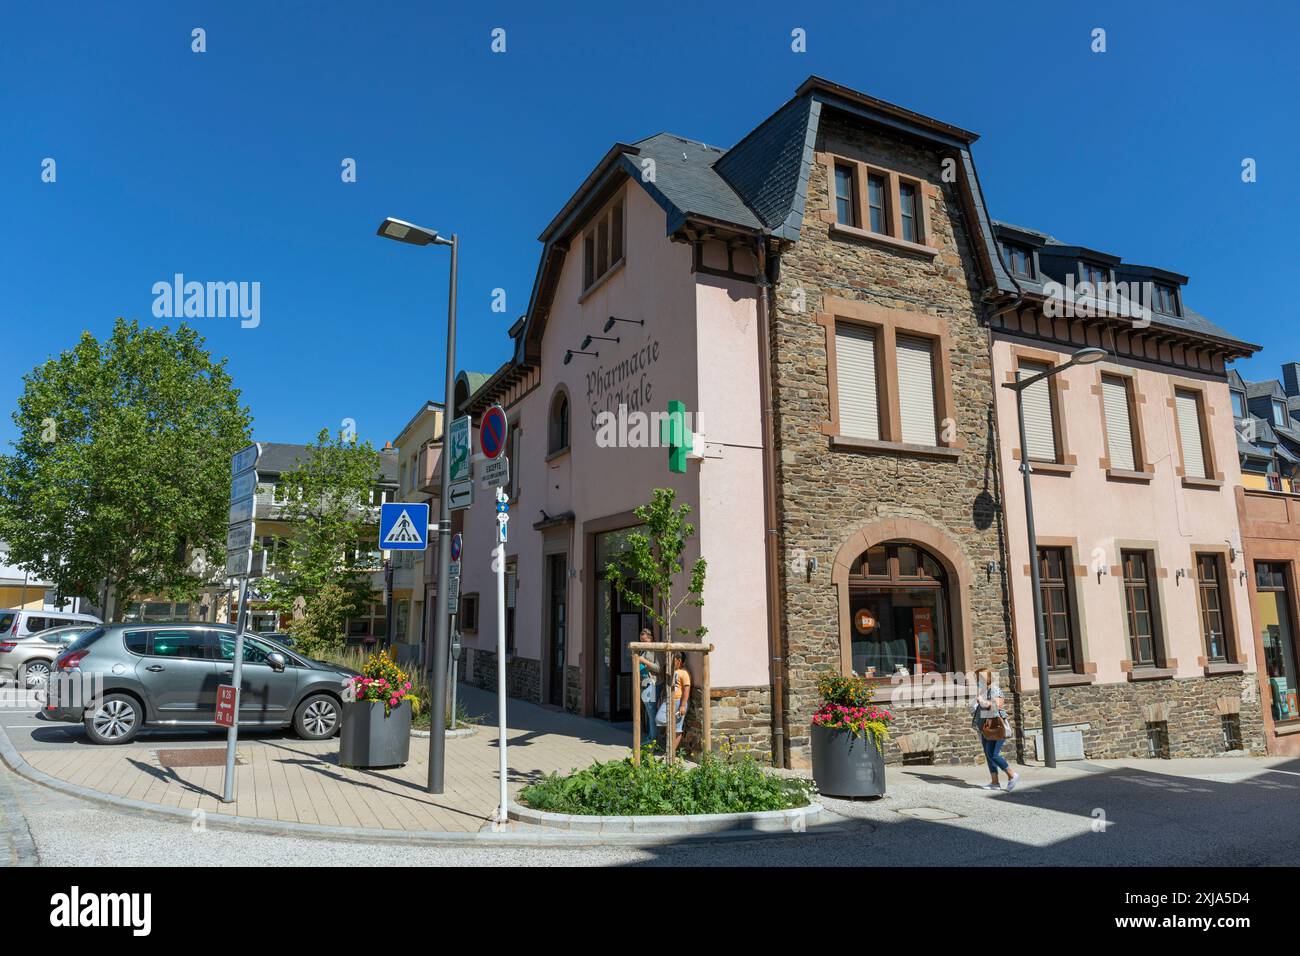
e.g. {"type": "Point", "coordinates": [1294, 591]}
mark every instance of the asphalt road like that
{"type": "Point", "coordinates": [1214, 812]}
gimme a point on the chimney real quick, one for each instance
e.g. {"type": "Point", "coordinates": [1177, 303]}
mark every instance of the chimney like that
{"type": "Point", "coordinates": [1291, 378]}
{"type": "Point", "coordinates": [388, 446]}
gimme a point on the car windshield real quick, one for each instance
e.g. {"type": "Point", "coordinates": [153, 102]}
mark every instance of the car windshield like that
{"type": "Point", "coordinates": [85, 640]}
{"type": "Point", "coordinates": [7, 620]}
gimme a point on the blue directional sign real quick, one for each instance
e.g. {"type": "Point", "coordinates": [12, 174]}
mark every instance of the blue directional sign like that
{"type": "Point", "coordinates": [403, 526]}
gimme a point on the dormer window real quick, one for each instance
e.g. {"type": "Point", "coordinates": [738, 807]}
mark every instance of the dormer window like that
{"type": "Point", "coordinates": [1280, 418]}
{"type": "Point", "coordinates": [1020, 259]}
{"type": "Point", "coordinates": [846, 203]}
{"type": "Point", "coordinates": [602, 245]}
{"type": "Point", "coordinates": [1094, 274]}
{"type": "Point", "coordinates": [1238, 404]}
{"type": "Point", "coordinates": [1166, 299]}
{"type": "Point", "coordinates": [869, 202]}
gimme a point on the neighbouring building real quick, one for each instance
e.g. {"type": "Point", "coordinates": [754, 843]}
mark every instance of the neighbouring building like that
{"type": "Point", "coordinates": [831, 303]}
{"type": "Point", "coordinates": [415, 579]}
{"type": "Point", "coordinates": [1268, 440]}
{"type": "Point", "coordinates": [1146, 609]}
{"type": "Point", "coordinates": [278, 459]}
{"type": "Point", "coordinates": [20, 590]}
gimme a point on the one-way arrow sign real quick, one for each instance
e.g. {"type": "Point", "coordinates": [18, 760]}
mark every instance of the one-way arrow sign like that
{"type": "Point", "coordinates": [460, 495]}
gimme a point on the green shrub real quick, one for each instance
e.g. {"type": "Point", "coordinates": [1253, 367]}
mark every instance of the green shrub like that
{"type": "Point", "coordinates": [621, 788]}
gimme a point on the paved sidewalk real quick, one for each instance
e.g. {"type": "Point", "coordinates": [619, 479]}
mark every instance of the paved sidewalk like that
{"type": "Point", "coordinates": [285, 779]}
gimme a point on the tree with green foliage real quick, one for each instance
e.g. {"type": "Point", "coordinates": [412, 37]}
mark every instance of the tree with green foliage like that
{"type": "Point", "coordinates": [650, 574]}
{"type": "Point", "coordinates": [120, 476]}
{"type": "Point", "coordinates": [320, 572]}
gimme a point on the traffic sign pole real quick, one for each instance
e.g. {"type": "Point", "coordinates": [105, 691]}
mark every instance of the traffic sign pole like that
{"type": "Point", "coordinates": [503, 516]}
{"type": "Point", "coordinates": [243, 496]}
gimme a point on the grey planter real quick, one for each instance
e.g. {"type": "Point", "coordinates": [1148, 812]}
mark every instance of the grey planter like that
{"type": "Point", "coordinates": [845, 765]}
{"type": "Point", "coordinates": [368, 738]}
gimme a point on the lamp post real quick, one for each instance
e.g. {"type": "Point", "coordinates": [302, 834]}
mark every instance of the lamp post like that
{"type": "Point", "coordinates": [419, 236]}
{"type": "Point", "coordinates": [1086, 356]}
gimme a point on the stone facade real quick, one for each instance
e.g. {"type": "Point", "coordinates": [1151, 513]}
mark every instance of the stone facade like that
{"type": "Point", "coordinates": [742, 718]}
{"type": "Point", "coordinates": [573, 689]}
{"type": "Point", "coordinates": [827, 494]}
{"type": "Point", "coordinates": [523, 674]}
{"type": "Point", "coordinates": [1117, 716]}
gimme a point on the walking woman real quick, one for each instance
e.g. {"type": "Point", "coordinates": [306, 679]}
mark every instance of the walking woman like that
{"type": "Point", "coordinates": [989, 717]}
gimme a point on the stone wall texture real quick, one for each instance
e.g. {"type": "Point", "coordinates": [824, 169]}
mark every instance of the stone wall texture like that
{"type": "Point", "coordinates": [523, 674]}
{"type": "Point", "coordinates": [1116, 715]}
{"type": "Point", "coordinates": [828, 494]}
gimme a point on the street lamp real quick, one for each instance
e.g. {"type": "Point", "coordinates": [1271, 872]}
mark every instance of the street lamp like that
{"type": "Point", "coordinates": [1085, 356]}
{"type": "Point", "coordinates": [408, 232]}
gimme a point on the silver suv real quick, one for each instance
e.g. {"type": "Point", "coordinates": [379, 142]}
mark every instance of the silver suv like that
{"type": "Point", "coordinates": [118, 678]}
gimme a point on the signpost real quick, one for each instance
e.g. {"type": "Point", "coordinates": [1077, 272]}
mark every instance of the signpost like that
{"type": "Point", "coordinates": [499, 562]}
{"type": "Point", "coordinates": [225, 705]}
{"type": "Point", "coordinates": [460, 450]}
{"type": "Point", "coordinates": [460, 495]}
{"type": "Point", "coordinates": [493, 429]}
{"type": "Point", "coordinates": [496, 473]}
{"type": "Point", "coordinates": [403, 526]}
{"type": "Point", "coordinates": [239, 564]}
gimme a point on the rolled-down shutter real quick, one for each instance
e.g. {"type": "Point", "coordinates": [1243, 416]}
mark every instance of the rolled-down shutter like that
{"type": "Point", "coordinates": [1040, 430]}
{"type": "Point", "coordinates": [855, 381]}
{"type": "Point", "coordinates": [916, 390]}
{"type": "Point", "coordinates": [1119, 427]}
{"type": "Point", "coordinates": [1189, 433]}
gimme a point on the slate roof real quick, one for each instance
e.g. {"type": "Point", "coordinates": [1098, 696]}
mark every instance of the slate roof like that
{"type": "Point", "coordinates": [686, 178]}
{"type": "Point", "coordinates": [1190, 321]}
{"type": "Point", "coordinates": [278, 458]}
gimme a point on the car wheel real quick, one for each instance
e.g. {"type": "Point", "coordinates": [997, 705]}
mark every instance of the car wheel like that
{"type": "Point", "coordinates": [35, 675]}
{"type": "Point", "coordinates": [115, 719]}
{"type": "Point", "coordinates": [317, 717]}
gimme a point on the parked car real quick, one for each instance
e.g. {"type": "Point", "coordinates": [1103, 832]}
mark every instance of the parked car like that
{"type": "Point", "coordinates": [166, 675]}
{"type": "Point", "coordinates": [29, 660]}
{"type": "Point", "coordinates": [18, 623]}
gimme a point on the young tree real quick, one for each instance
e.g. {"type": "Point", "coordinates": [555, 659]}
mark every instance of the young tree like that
{"type": "Point", "coordinates": [648, 572]}
{"type": "Point", "coordinates": [320, 568]}
{"type": "Point", "coordinates": [121, 471]}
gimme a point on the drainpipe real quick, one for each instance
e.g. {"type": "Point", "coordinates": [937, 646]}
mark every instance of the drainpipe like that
{"type": "Point", "coordinates": [771, 552]}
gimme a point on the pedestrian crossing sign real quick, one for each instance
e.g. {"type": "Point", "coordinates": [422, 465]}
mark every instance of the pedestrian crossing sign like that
{"type": "Point", "coordinates": [403, 526]}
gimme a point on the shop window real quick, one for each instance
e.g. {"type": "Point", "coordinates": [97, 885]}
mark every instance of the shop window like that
{"type": "Point", "coordinates": [1273, 602]}
{"type": "Point", "coordinates": [900, 618]}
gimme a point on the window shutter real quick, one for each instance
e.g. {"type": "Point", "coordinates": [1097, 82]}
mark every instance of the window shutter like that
{"type": "Point", "coordinates": [512, 583]}
{"type": "Point", "coordinates": [916, 390]}
{"type": "Point", "coordinates": [1189, 433]}
{"type": "Point", "coordinates": [1119, 427]}
{"type": "Point", "coordinates": [1040, 429]}
{"type": "Point", "coordinates": [855, 374]}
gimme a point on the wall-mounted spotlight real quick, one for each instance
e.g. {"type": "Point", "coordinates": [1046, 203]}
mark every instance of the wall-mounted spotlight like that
{"type": "Point", "coordinates": [609, 323]}
{"type": "Point", "coordinates": [1101, 572]}
{"type": "Point", "coordinates": [568, 355]}
{"type": "Point", "coordinates": [586, 343]}
{"type": "Point", "coordinates": [1179, 575]}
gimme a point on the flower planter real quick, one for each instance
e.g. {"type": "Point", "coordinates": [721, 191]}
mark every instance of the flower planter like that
{"type": "Point", "coordinates": [369, 738]}
{"type": "Point", "coordinates": [845, 765]}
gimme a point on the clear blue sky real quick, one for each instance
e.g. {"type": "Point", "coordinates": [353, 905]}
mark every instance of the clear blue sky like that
{"type": "Point", "coordinates": [226, 165]}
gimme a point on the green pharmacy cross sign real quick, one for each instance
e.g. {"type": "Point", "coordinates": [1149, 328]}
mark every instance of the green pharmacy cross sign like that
{"type": "Point", "coordinates": [674, 434]}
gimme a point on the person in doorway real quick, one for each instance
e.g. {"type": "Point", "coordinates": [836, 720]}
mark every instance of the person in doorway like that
{"type": "Point", "coordinates": [680, 697]}
{"type": "Point", "coordinates": [989, 717]}
{"type": "Point", "coordinates": [649, 675]}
